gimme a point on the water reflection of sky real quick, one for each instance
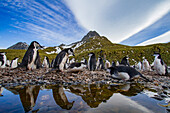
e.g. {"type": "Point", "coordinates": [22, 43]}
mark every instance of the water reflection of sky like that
{"type": "Point", "coordinates": [89, 98]}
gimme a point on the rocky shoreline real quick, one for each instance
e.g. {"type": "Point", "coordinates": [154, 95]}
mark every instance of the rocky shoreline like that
{"type": "Point", "coordinates": [159, 87]}
{"type": "Point", "coordinates": [14, 77]}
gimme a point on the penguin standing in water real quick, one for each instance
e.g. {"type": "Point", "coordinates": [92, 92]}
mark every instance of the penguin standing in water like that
{"type": "Point", "coordinates": [125, 61]}
{"type": "Point", "coordinates": [3, 60]}
{"type": "Point", "coordinates": [61, 59]}
{"type": "Point", "coordinates": [14, 63]}
{"type": "Point", "coordinates": [46, 62]}
{"type": "Point", "coordinates": [100, 64]}
{"type": "Point", "coordinates": [31, 58]}
{"type": "Point", "coordinates": [124, 73]}
{"type": "Point", "coordinates": [92, 62]}
{"type": "Point", "coordinates": [159, 65]}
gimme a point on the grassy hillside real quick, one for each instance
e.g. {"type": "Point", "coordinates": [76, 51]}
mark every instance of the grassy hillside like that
{"type": "Point", "coordinates": [110, 51]}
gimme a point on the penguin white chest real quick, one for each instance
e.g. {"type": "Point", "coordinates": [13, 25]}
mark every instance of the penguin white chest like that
{"type": "Point", "coordinates": [45, 63]}
{"type": "Point", "coordinates": [61, 66]}
{"type": "Point", "coordinates": [124, 76]}
{"type": "Point", "coordinates": [160, 69]}
{"type": "Point", "coordinates": [14, 64]}
{"type": "Point", "coordinates": [89, 62]}
{"type": "Point", "coordinates": [32, 65]}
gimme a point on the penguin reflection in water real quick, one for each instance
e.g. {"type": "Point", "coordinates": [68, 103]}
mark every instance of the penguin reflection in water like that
{"type": "Point", "coordinates": [60, 98]}
{"type": "Point", "coordinates": [31, 58]}
{"type": "Point", "coordinates": [61, 59]}
{"type": "Point", "coordinates": [125, 73]}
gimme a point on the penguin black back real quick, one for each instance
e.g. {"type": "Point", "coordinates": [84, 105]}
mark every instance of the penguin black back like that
{"type": "Point", "coordinates": [61, 58]}
{"type": "Point", "coordinates": [2, 58]}
{"type": "Point", "coordinates": [125, 61]}
{"type": "Point", "coordinates": [28, 57]}
{"type": "Point", "coordinates": [92, 61]}
{"type": "Point", "coordinates": [125, 69]}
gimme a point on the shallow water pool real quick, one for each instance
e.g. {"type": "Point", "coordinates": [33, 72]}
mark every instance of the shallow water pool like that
{"type": "Point", "coordinates": [93, 98]}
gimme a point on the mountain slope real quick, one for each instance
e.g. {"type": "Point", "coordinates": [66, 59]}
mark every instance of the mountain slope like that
{"type": "Point", "coordinates": [19, 45]}
{"type": "Point", "coordinates": [101, 46]}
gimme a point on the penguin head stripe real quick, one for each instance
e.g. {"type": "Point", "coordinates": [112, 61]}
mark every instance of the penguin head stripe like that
{"type": "Point", "coordinates": [35, 44]}
{"type": "Point", "coordinates": [69, 51]}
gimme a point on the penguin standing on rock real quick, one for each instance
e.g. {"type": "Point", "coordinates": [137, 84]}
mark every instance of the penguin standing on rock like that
{"type": "Point", "coordinates": [14, 63]}
{"type": "Point", "coordinates": [125, 61]}
{"type": "Point", "coordinates": [100, 64]}
{"type": "Point", "coordinates": [61, 59]}
{"type": "Point", "coordinates": [46, 62]}
{"type": "Point", "coordinates": [125, 73]}
{"type": "Point", "coordinates": [92, 62]}
{"type": "Point", "coordinates": [159, 65]}
{"type": "Point", "coordinates": [52, 63]}
{"type": "Point", "coordinates": [31, 58]}
{"type": "Point", "coordinates": [145, 65]}
{"type": "Point", "coordinates": [3, 60]}
{"type": "Point", "coordinates": [107, 64]}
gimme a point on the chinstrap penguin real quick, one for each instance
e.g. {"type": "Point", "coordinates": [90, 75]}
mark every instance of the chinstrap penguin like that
{"type": "Point", "coordinates": [14, 63]}
{"type": "Point", "coordinates": [3, 60]}
{"type": "Point", "coordinates": [159, 65]}
{"type": "Point", "coordinates": [31, 59]}
{"type": "Point", "coordinates": [113, 64]}
{"type": "Point", "coordinates": [124, 73]}
{"type": "Point", "coordinates": [100, 64]}
{"type": "Point", "coordinates": [145, 65]}
{"type": "Point", "coordinates": [46, 62]}
{"type": "Point", "coordinates": [125, 61]}
{"type": "Point", "coordinates": [92, 62]}
{"type": "Point", "coordinates": [107, 64]}
{"type": "Point", "coordinates": [61, 59]}
{"type": "Point", "coordinates": [52, 63]}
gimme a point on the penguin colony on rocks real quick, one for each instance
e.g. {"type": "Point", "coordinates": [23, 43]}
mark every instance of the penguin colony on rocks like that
{"type": "Point", "coordinates": [122, 70]}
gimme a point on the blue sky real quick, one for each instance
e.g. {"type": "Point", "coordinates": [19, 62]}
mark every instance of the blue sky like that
{"type": "Point", "coordinates": [52, 22]}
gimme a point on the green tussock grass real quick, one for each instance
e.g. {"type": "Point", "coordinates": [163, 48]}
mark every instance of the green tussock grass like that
{"type": "Point", "coordinates": [110, 51]}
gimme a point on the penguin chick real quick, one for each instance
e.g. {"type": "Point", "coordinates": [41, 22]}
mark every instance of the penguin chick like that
{"type": "Point", "coordinates": [159, 65]}
{"type": "Point", "coordinates": [107, 64]}
{"type": "Point", "coordinates": [100, 64]}
{"type": "Point", "coordinates": [125, 73]}
{"type": "Point", "coordinates": [46, 62]}
{"type": "Point", "coordinates": [14, 63]}
{"type": "Point", "coordinates": [145, 65]}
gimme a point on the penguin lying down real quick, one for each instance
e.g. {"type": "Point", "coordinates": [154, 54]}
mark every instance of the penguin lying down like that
{"type": "Point", "coordinates": [125, 73]}
{"type": "Point", "coordinates": [76, 67]}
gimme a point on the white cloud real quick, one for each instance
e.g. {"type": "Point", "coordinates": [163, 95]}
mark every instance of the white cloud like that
{"type": "Point", "coordinates": [118, 19]}
{"type": "Point", "coordinates": [164, 38]}
{"type": "Point", "coordinates": [51, 21]}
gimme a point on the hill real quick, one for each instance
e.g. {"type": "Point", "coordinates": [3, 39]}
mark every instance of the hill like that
{"type": "Point", "coordinates": [19, 45]}
{"type": "Point", "coordinates": [101, 46]}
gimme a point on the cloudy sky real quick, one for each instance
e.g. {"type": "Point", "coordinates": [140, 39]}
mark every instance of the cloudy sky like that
{"type": "Point", "coordinates": [52, 22]}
